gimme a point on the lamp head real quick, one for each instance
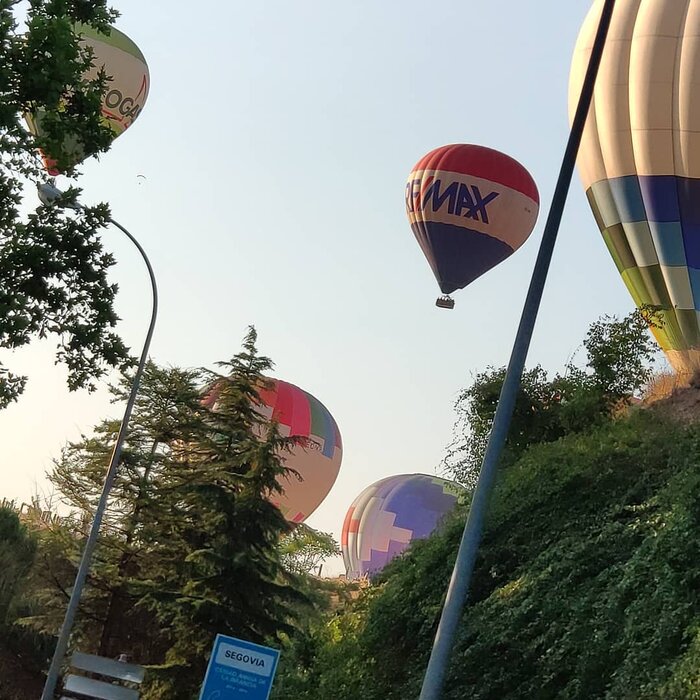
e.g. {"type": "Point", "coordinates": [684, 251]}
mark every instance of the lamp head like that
{"type": "Point", "coordinates": [49, 194]}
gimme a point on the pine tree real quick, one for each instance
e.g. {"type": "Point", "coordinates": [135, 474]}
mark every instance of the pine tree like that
{"type": "Point", "coordinates": [17, 552]}
{"type": "Point", "coordinates": [167, 411]}
{"type": "Point", "coordinates": [190, 544]}
{"type": "Point", "coordinates": [221, 570]}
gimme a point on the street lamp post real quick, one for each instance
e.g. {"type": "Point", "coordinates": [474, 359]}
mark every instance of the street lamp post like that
{"type": "Point", "coordinates": [458, 589]}
{"type": "Point", "coordinates": [49, 194]}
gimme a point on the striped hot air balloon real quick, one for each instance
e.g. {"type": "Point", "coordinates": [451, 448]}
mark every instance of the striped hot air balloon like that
{"type": "Point", "coordinates": [316, 459]}
{"type": "Point", "coordinates": [470, 208]}
{"type": "Point", "coordinates": [299, 414]}
{"type": "Point", "coordinates": [124, 97]}
{"type": "Point", "coordinates": [640, 160]}
{"type": "Point", "coordinates": [388, 515]}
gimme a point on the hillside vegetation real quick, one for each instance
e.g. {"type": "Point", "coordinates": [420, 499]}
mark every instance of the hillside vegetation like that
{"type": "Point", "coordinates": [586, 586]}
{"type": "Point", "coordinates": [588, 576]}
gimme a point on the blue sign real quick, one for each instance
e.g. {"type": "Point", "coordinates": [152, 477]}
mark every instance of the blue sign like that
{"type": "Point", "coordinates": [239, 669]}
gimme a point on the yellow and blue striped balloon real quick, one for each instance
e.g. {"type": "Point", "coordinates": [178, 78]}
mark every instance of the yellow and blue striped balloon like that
{"type": "Point", "coordinates": [640, 159]}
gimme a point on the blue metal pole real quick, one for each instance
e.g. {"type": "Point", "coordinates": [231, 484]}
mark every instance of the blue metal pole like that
{"type": "Point", "coordinates": [464, 566]}
{"type": "Point", "coordinates": [48, 193]}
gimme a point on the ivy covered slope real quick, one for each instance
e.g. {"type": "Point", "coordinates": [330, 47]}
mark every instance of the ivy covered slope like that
{"type": "Point", "coordinates": [587, 586]}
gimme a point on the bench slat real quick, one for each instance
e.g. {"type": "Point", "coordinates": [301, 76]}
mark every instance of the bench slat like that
{"type": "Point", "coordinates": [98, 689]}
{"type": "Point", "coordinates": [108, 667]}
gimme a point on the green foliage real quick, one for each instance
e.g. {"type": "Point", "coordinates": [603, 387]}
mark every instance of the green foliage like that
{"type": "Point", "coordinates": [167, 411]}
{"type": "Point", "coordinates": [190, 541]}
{"type": "Point", "coordinates": [17, 552]}
{"type": "Point", "coordinates": [618, 355]}
{"type": "Point", "coordinates": [304, 550]}
{"type": "Point", "coordinates": [326, 660]}
{"type": "Point", "coordinates": [585, 586]}
{"type": "Point", "coordinates": [222, 571]}
{"type": "Point", "coordinates": [52, 263]}
{"type": "Point", "coordinates": [22, 651]}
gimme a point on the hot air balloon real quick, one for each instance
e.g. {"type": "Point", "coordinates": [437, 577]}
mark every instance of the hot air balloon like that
{"type": "Point", "coordinates": [318, 456]}
{"type": "Point", "coordinates": [388, 515]}
{"type": "Point", "coordinates": [126, 92]}
{"type": "Point", "coordinates": [640, 160]}
{"type": "Point", "coordinates": [470, 207]}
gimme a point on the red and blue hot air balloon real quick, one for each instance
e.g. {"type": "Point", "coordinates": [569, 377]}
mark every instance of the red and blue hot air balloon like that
{"type": "Point", "coordinates": [316, 460]}
{"type": "Point", "coordinates": [470, 207]}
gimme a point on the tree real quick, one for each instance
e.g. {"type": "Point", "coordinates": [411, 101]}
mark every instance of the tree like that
{"type": "Point", "coordinates": [305, 549]}
{"type": "Point", "coordinates": [618, 357]}
{"type": "Point", "coordinates": [618, 354]}
{"type": "Point", "coordinates": [20, 650]}
{"type": "Point", "coordinates": [167, 411]}
{"type": "Point", "coordinates": [220, 569]}
{"type": "Point", "coordinates": [17, 552]}
{"type": "Point", "coordinates": [190, 540]}
{"type": "Point", "coordinates": [52, 263]}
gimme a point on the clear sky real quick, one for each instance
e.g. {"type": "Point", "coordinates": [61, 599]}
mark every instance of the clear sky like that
{"type": "Point", "coordinates": [275, 146]}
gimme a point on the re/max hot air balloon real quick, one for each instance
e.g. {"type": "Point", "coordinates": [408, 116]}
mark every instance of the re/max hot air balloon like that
{"type": "Point", "coordinates": [388, 515]}
{"type": "Point", "coordinates": [316, 459]}
{"type": "Point", "coordinates": [470, 208]}
{"type": "Point", "coordinates": [125, 94]}
{"type": "Point", "coordinates": [640, 160]}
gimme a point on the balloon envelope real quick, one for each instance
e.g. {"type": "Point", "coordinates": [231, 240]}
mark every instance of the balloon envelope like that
{"type": "Point", "coordinates": [125, 94]}
{"type": "Point", "coordinates": [640, 160]}
{"type": "Point", "coordinates": [317, 460]}
{"type": "Point", "coordinates": [470, 207]}
{"type": "Point", "coordinates": [388, 515]}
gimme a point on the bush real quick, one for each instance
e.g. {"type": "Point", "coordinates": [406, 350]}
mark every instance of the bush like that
{"type": "Point", "coordinates": [585, 587]}
{"type": "Point", "coordinates": [617, 366]}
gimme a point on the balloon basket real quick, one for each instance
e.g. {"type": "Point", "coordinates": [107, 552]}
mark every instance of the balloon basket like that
{"type": "Point", "coordinates": [445, 302]}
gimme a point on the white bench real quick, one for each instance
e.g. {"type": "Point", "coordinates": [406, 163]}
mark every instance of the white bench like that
{"type": "Point", "coordinates": [109, 684]}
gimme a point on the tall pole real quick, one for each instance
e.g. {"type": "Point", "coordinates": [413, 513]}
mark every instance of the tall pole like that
{"type": "Point", "coordinates": [464, 566]}
{"type": "Point", "coordinates": [49, 193]}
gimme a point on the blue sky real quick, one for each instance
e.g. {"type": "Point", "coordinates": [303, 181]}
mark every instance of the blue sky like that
{"type": "Point", "coordinates": [275, 146]}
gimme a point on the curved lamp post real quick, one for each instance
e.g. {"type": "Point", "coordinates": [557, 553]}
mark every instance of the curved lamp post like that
{"type": "Point", "coordinates": [466, 556]}
{"type": "Point", "coordinates": [49, 194]}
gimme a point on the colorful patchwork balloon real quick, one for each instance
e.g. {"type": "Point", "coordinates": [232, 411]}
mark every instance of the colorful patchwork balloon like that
{"type": "Point", "coordinates": [126, 92]}
{"type": "Point", "coordinates": [317, 460]}
{"type": "Point", "coordinates": [640, 160]}
{"type": "Point", "coordinates": [388, 515]}
{"type": "Point", "coordinates": [470, 208]}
